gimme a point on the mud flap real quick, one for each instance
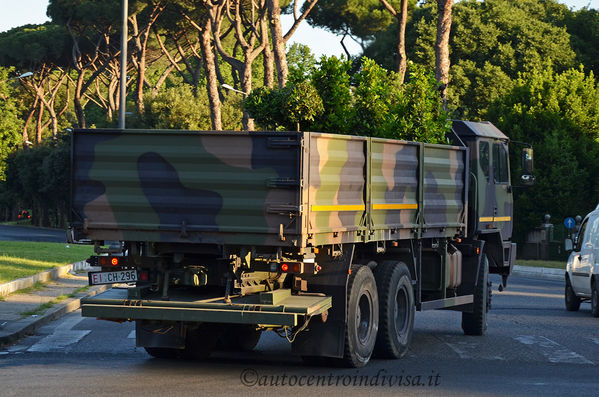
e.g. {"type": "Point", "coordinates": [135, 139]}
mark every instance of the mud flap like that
{"type": "Point", "coordinates": [148, 334]}
{"type": "Point", "coordinates": [326, 339]}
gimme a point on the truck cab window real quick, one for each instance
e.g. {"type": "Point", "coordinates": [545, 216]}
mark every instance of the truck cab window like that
{"type": "Point", "coordinates": [500, 163]}
{"type": "Point", "coordinates": [483, 155]}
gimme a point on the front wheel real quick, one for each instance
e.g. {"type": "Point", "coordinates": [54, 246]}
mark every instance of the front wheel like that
{"type": "Point", "coordinates": [362, 317]}
{"type": "Point", "coordinates": [572, 301]}
{"type": "Point", "coordinates": [595, 299]}
{"type": "Point", "coordinates": [475, 323]}
{"type": "Point", "coordinates": [396, 311]}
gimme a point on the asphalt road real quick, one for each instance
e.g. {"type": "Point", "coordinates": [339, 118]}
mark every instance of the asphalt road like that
{"type": "Point", "coordinates": [29, 233]}
{"type": "Point", "coordinates": [533, 347]}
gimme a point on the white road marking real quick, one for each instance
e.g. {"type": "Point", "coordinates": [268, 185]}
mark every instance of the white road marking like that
{"type": "Point", "coordinates": [596, 340]}
{"type": "Point", "coordinates": [62, 336]}
{"type": "Point", "coordinates": [467, 349]}
{"type": "Point", "coordinates": [131, 335]}
{"type": "Point", "coordinates": [553, 351]}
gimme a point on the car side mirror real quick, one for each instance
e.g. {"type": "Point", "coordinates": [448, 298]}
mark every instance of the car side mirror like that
{"type": "Point", "coordinates": [568, 245]}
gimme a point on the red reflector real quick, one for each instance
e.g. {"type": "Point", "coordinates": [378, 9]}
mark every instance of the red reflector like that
{"type": "Point", "coordinates": [296, 268]}
{"type": "Point", "coordinates": [103, 261]}
{"type": "Point", "coordinates": [114, 261]}
{"type": "Point", "coordinates": [284, 267]}
{"type": "Point", "coordinates": [143, 276]}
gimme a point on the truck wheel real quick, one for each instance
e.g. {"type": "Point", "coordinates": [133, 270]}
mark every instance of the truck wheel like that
{"type": "Point", "coordinates": [396, 309]}
{"type": "Point", "coordinates": [200, 342]}
{"type": "Point", "coordinates": [164, 352]}
{"type": "Point", "coordinates": [572, 301]}
{"type": "Point", "coordinates": [475, 323]}
{"type": "Point", "coordinates": [362, 317]}
{"type": "Point", "coordinates": [240, 337]}
{"type": "Point", "coordinates": [595, 299]}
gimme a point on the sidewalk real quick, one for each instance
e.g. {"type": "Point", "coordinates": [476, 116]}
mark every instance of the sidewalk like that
{"type": "Point", "coordinates": [69, 284]}
{"type": "Point", "coordinates": [23, 313]}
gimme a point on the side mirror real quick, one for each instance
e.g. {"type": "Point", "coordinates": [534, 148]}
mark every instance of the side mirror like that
{"type": "Point", "coordinates": [527, 161]}
{"type": "Point", "coordinates": [527, 178]}
{"type": "Point", "coordinates": [568, 245]}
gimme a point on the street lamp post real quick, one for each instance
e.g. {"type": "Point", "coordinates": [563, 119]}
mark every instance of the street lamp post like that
{"type": "Point", "coordinates": [228, 87]}
{"type": "Point", "coordinates": [123, 92]}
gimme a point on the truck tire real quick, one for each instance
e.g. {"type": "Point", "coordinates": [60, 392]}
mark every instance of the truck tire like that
{"type": "Point", "coordinates": [238, 337]}
{"type": "Point", "coordinates": [362, 317]}
{"type": "Point", "coordinates": [572, 301]}
{"type": "Point", "coordinates": [164, 352]}
{"type": "Point", "coordinates": [200, 342]}
{"type": "Point", "coordinates": [475, 323]}
{"type": "Point", "coordinates": [595, 299]}
{"type": "Point", "coordinates": [396, 309]}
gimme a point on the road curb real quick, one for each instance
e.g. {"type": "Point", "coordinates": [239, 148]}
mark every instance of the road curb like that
{"type": "Point", "coordinates": [43, 277]}
{"type": "Point", "coordinates": [544, 273]}
{"type": "Point", "coordinates": [18, 329]}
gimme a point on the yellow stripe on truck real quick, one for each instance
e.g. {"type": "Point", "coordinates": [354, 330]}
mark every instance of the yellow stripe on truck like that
{"type": "Point", "coordinates": [329, 208]}
{"type": "Point", "coordinates": [495, 219]}
{"type": "Point", "coordinates": [395, 206]}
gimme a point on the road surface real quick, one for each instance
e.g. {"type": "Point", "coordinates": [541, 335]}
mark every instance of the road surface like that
{"type": "Point", "coordinates": [533, 347]}
{"type": "Point", "coordinates": [30, 233]}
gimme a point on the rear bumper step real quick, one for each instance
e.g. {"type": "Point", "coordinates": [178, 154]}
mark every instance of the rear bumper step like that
{"type": "Point", "coordinates": [289, 311]}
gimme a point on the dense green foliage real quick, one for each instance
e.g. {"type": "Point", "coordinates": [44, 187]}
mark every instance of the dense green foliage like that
{"type": "Point", "coordinates": [377, 105]}
{"type": "Point", "coordinates": [558, 113]}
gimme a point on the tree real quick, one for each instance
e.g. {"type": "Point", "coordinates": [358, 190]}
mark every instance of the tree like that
{"type": "Point", "coordinates": [558, 113]}
{"type": "Point", "coordinates": [442, 62]}
{"type": "Point", "coordinates": [402, 19]}
{"type": "Point", "coordinates": [10, 123]}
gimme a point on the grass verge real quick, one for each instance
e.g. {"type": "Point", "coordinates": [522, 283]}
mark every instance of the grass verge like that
{"type": "Point", "coordinates": [21, 259]}
{"type": "Point", "coordinates": [542, 263]}
{"type": "Point", "coordinates": [41, 309]}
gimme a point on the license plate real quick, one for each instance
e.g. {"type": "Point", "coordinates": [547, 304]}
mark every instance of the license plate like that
{"type": "Point", "coordinates": [121, 276]}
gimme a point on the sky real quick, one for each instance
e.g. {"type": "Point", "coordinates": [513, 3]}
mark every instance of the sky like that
{"type": "Point", "coordinates": [22, 12]}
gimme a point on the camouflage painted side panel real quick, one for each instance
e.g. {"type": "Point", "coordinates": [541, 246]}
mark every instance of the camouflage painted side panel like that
{"type": "Point", "coordinates": [394, 188]}
{"type": "Point", "coordinates": [181, 186]}
{"type": "Point", "coordinates": [336, 197]}
{"type": "Point", "coordinates": [444, 190]}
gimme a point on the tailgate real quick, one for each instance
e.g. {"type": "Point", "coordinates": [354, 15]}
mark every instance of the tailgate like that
{"type": "Point", "coordinates": [185, 186]}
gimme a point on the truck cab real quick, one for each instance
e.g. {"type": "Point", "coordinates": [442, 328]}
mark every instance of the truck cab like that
{"type": "Point", "coordinates": [491, 201]}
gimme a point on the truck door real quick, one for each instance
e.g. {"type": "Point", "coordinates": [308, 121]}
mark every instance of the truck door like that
{"type": "Point", "coordinates": [503, 198]}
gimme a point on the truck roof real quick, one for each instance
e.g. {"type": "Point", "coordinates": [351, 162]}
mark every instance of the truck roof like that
{"type": "Point", "coordinates": [481, 128]}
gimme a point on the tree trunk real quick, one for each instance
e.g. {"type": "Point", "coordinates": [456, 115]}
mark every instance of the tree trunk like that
{"type": "Point", "coordinates": [442, 47]}
{"type": "Point", "coordinates": [77, 100]}
{"type": "Point", "coordinates": [246, 86]}
{"type": "Point", "coordinates": [402, 58]}
{"type": "Point", "coordinates": [274, 18]}
{"type": "Point", "coordinates": [268, 59]}
{"type": "Point", "coordinates": [38, 127]}
{"type": "Point", "coordinates": [211, 79]}
{"type": "Point", "coordinates": [402, 18]}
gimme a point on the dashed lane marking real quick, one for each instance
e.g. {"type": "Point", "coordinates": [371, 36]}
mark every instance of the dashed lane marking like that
{"type": "Point", "coordinates": [553, 351]}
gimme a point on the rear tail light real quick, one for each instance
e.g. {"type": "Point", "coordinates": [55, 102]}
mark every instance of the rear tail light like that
{"type": "Point", "coordinates": [114, 261]}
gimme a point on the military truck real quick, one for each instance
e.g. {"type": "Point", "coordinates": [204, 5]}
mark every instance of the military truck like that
{"type": "Point", "coordinates": [331, 241]}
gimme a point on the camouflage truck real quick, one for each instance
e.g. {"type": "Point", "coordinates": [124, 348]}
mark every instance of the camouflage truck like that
{"type": "Point", "coordinates": [332, 241]}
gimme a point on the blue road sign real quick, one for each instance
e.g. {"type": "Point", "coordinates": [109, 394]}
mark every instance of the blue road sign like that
{"type": "Point", "coordinates": [569, 222]}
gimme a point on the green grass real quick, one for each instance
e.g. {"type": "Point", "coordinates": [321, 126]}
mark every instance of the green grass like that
{"type": "Point", "coordinates": [541, 263]}
{"type": "Point", "coordinates": [22, 259]}
{"type": "Point", "coordinates": [41, 309]}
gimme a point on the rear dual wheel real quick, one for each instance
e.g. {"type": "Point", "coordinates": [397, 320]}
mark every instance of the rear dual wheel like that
{"type": "Point", "coordinates": [362, 317]}
{"type": "Point", "coordinates": [396, 310]}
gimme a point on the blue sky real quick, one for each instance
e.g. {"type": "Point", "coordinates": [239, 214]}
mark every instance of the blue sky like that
{"type": "Point", "coordinates": [21, 12]}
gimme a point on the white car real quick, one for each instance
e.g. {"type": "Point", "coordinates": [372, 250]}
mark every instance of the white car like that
{"type": "Point", "coordinates": [582, 271]}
